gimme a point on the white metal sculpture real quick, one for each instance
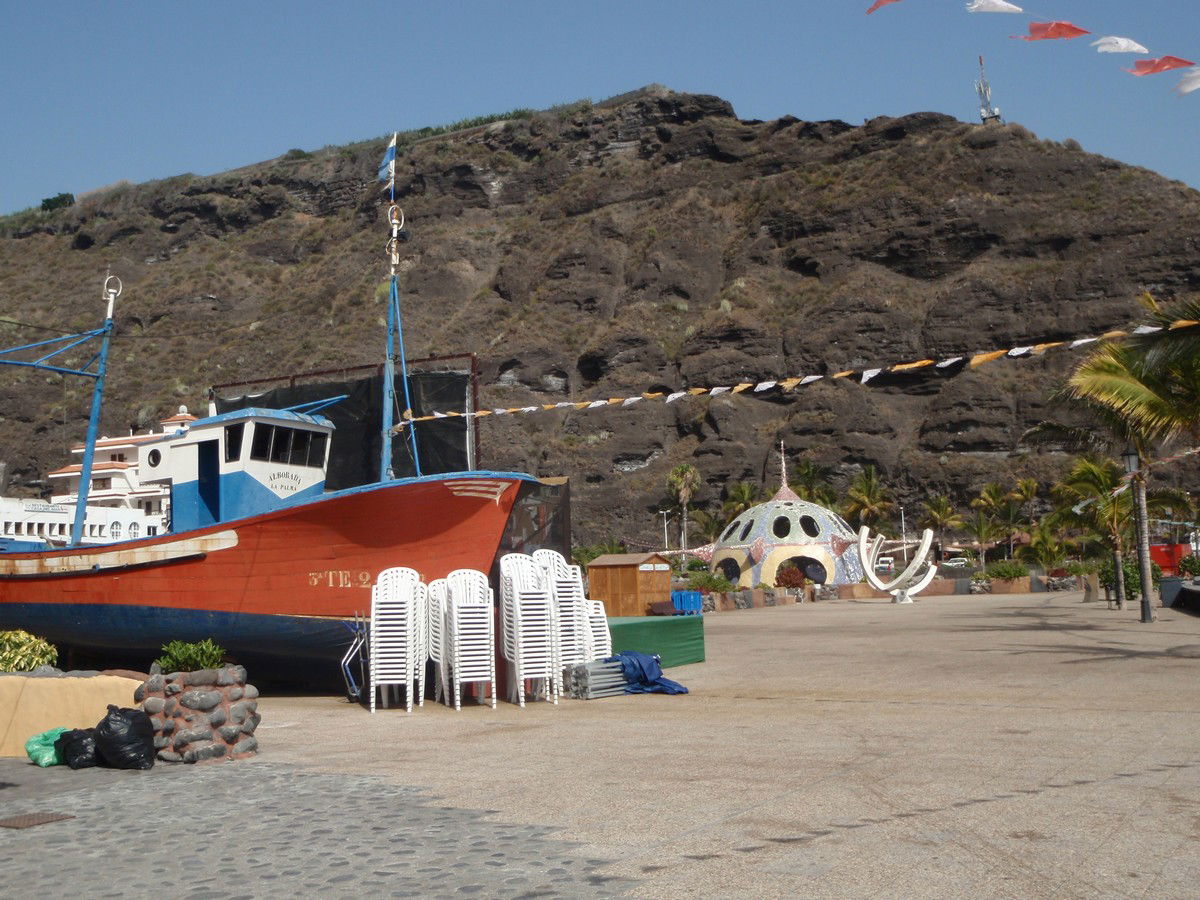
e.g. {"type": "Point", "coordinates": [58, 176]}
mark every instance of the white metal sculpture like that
{"type": "Point", "coordinates": [907, 583]}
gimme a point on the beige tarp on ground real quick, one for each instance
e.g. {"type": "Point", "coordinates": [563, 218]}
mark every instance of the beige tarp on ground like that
{"type": "Point", "coordinates": [29, 706]}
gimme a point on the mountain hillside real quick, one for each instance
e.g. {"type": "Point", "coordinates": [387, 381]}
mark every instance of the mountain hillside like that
{"type": "Point", "coordinates": [651, 242]}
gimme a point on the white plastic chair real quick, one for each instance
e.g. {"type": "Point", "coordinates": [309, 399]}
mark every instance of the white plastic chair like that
{"type": "Point", "coordinates": [395, 652]}
{"type": "Point", "coordinates": [529, 627]}
{"type": "Point", "coordinates": [471, 631]}
{"type": "Point", "coordinates": [601, 636]}
{"type": "Point", "coordinates": [437, 595]}
{"type": "Point", "coordinates": [566, 585]}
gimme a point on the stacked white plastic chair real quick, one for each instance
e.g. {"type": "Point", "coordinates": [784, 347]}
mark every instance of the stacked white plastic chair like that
{"type": "Point", "coordinates": [601, 647]}
{"type": "Point", "coordinates": [566, 586]}
{"type": "Point", "coordinates": [529, 627]}
{"type": "Point", "coordinates": [397, 652]}
{"type": "Point", "coordinates": [436, 637]}
{"type": "Point", "coordinates": [470, 637]}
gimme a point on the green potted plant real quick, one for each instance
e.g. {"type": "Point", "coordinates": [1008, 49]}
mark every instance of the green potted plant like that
{"type": "Point", "coordinates": [201, 706]}
{"type": "Point", "coordinates": [21, 651]}
{"type": "Point", "coordinates": [1008, 577]}
{"type": "Point", "coordinates": [1190, 567]}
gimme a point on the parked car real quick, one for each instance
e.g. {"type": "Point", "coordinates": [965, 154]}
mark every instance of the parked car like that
{"type": "Point", "coordinates": [885, 564]}
{"type": "Point", "coordinates": [957, 562]}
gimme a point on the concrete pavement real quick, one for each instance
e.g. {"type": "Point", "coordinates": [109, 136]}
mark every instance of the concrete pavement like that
{"type": "Point", "coordinates": [1011, 746]}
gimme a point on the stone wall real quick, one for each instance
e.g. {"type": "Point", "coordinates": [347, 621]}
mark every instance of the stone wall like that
{"type": "Point", "coordinates": [206, 714]}
{"type": "Point", "coordinates": [753, 598]}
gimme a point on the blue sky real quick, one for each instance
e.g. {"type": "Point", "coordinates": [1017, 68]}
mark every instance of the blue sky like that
{"type": "Point", "coordinates": [95, 93]}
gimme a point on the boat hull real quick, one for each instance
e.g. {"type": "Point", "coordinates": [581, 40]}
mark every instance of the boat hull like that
{"type": "Point", "coordinates": [285, 584]}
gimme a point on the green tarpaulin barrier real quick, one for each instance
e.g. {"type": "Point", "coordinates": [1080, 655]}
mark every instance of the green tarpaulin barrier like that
{"type": "Point", "coordinates": [678, 640]}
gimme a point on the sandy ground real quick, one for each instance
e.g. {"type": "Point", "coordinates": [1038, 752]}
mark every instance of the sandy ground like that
{"type": "Point", "coordinates": [1020, 745]}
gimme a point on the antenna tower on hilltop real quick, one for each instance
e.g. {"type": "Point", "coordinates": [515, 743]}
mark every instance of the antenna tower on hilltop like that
{"type": "Point", "coordinates": [987, 112]}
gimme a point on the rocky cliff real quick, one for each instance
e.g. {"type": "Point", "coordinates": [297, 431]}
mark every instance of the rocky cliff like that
{"type": "Point", "coordinates": [652, 242]}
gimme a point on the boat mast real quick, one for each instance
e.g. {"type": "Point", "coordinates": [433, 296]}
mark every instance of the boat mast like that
{"type": "Point", "coordinates": [395, 338]}
{"type": "Point", "coordinates": [111, 292]}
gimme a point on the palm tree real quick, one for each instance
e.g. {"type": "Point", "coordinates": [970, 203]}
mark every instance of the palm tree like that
{"type": "Point", "coordinates": [811, 483]}
{"type": "Point", "coordinates": [1142, 402]}
{"type": "Point", "coordinates": [683, 481]}
{"type": "Point", "coordinates": [1091, 484]}
{"type": "Point", "coordinates": [1170, 346]}
{"type": "Point", "coordinates": [991, 499]}
{"type": "Point", "coordinates": [707, 526]}
{"type": "Point", "coordinates": [583, 554]}
{"type": "Point", "coordinates": [868, 502]}
{"type": "Point", "coordinates": [1011, 520]}
{"type": "Point", "coordinates": [984, 530]}
{"type": "Point", "coordinates": [1047, 547]}
{"type": "Point", "coordinates": [1025, 492]}
{"type": "Point", "coordinates": [939, 514]}
{"type": "Point", "coordinates": [1152, 403]}
{"type": "Point", "coordinates": [739, 498]}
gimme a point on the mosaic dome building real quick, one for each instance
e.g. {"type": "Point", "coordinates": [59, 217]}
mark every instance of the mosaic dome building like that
{"type": "Point", "coordinates": [786, 529]}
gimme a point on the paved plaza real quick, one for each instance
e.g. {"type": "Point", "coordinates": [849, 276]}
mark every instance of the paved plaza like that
{"type": "Point", "coordinates": [999, 746]}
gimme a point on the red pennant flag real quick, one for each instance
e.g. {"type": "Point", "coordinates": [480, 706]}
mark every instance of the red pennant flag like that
{"type": "Point", "coordinates": [1152, 66]}
{"type": "Point", "coordinates": [1048, 31]}
{"type": "Point", "coordinates": [879, 3]}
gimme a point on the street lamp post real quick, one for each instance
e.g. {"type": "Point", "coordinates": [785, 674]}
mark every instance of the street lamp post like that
{"type": "Point", "coordinates": [666, 541]}
{"type": "Point", "coordinates": [1133, 463]}
{"type": "Point", "coordinates": [903, 536]}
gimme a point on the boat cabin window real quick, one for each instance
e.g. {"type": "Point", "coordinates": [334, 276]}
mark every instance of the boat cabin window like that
{"type": "Point", "coordinates": [233, 441]}
{"type": "Point", "coordinates": [281, 445]}
{"type": "Point", "coordinates": [295, 446]}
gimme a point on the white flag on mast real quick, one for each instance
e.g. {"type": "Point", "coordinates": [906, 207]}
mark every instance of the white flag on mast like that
{"type": "Point", "coordinates": [387, 168]}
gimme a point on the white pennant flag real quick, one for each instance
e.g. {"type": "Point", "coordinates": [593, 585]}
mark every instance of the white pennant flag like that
{"type": "Point", "coordinates": [1018, 351]}
{"type": "Point", "coordinates": [596, 403]}
{"type": "Point", "coordinates": [1147, 329]}
{"type": "Point", "coordinates": [764, 386]}
{"type": "Point", "coordinates": [1113, 44]}
{"type": "Point", "coordinates": [1081, 342]}
{"type": "Point", "coordinates": [948, 362]}
{"type": "Point", "coordinates": [718, 390]}
{"type": "Point", "coordinates": [629, 401]}
{"type": "Point", "coordinates": [993, 6]}
{"type": "Point", "coordinates": [868, 374]}
{"type": "Point", "coordinates": [675, 396]}
{"type": "Point", "coordinates": [1189, 82]}
{"type": "Point", "coordinates": [809, 379]}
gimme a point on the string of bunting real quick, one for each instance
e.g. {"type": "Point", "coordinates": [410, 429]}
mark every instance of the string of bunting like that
{"type": "Point", "coordinates": [862, 375]}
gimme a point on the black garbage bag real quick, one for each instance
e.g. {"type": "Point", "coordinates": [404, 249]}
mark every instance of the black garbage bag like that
{"type": "Point", "coordinates": [78, 748]}
{"type": "Point", "coordinates": [125, 739]}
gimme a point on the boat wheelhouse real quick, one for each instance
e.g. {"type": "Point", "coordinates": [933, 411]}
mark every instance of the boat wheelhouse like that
{"type": "Point", "coordinates": [238, 464]}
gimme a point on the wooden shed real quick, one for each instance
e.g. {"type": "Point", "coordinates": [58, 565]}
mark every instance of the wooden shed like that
{"type": "Point", "coordinates": [629, 582]}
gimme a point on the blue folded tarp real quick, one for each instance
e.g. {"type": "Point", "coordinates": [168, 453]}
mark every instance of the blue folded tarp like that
{"type": "Point", "coordinates": [643, 674]}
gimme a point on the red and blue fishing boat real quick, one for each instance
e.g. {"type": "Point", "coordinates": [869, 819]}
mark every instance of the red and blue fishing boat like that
{"type": "Point", "coordinates": [259, 556]}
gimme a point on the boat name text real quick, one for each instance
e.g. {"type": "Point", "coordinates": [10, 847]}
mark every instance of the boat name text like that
{"type": "Point", "coordinates": [340, 578]}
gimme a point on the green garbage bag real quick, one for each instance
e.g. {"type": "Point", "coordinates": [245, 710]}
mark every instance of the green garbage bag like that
{"type": "Point", "coordinates": [40, 748]}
